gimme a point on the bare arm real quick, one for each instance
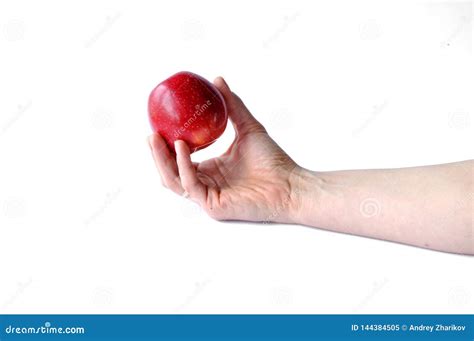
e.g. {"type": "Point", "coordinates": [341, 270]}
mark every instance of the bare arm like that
{"type": "Point", "coordinates": [430, 206]}
{"type": "Point", "coordinates": [256, 180]}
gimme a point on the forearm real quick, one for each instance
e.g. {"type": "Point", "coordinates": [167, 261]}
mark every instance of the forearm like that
{"type": "Point", "coordinates": [430, 206]}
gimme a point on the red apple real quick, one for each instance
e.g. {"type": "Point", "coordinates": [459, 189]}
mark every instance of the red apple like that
{"type": "Point", "coordinates": [187, 107]}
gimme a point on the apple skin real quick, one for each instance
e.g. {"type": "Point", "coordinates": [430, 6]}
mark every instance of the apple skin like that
{"type": "Point", "coordinates": [187, 107]}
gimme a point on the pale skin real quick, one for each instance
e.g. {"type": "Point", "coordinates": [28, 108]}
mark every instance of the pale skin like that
{"type": "Point", "coordinates": [255, 180]}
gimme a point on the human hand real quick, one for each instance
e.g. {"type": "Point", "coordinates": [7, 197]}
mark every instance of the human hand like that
{"type": "Point", "coordinates": [256, 180]}
{"type": "Point", "coordinates": [253, 180]}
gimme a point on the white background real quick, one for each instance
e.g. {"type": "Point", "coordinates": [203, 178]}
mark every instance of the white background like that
{"type": "Point", "coordinates": [85, 226]}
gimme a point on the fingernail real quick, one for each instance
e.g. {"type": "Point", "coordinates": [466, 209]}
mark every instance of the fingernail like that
{"type": "Point", "coordinates": [225, 83]}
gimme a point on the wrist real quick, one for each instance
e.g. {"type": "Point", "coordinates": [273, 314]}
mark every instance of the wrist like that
{"type": "Point", "coordinates": [305, 196]}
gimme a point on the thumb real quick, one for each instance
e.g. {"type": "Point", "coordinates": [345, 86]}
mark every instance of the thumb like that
{"type": "Point", "coordinates": [243, 120]}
